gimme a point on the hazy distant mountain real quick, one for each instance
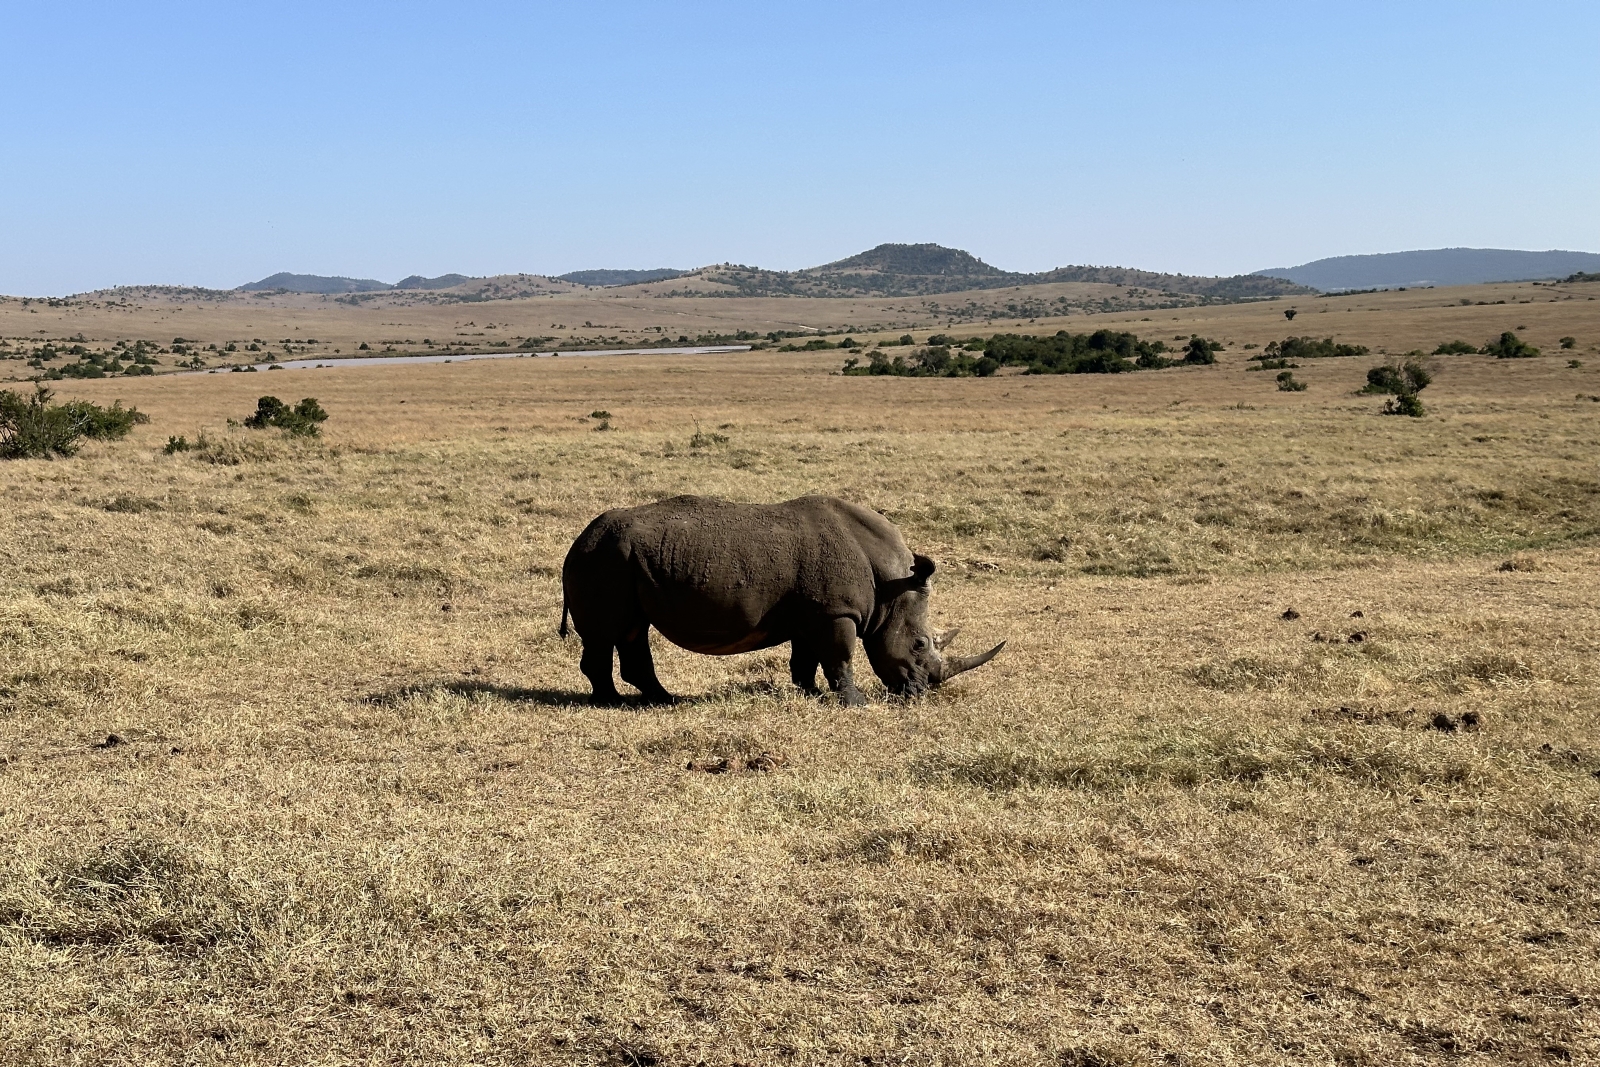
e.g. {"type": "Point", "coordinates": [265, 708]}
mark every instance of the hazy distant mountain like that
{"type": "Point", "coordinates": [621, 277]}
{"type": "Point", "coordinates": [1437, 266]}
{"type": "Point", "coordinates": [927, 269]}
{"type": "Point", "coordinates": [443, 281]}
{"type": "Point", "coordinates": [314, 283]}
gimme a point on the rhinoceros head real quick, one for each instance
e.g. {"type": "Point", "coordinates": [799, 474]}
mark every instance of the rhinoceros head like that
{"type": "Point", "coordinates": [905, 655]}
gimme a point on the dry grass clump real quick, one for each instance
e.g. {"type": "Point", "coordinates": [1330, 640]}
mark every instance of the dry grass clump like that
{"type": "Point", "coordinates": [294, 768]}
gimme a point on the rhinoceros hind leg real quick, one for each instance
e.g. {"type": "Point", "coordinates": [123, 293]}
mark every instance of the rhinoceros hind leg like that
{"type": "Point", "coordinates": [837, 652]}
{"type": "Point", "coordinates": [596, 666]}
{"type": "Point", "coordinates": [803, 663]}
{"type": "Point", "coordinates": [639, 668]}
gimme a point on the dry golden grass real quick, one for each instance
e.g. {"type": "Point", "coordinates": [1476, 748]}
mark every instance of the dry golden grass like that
{"type": "Point", "coordinates": [358, 811]}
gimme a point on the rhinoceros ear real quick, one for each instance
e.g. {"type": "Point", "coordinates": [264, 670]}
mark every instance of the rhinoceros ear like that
{"type": "Point", "coordinates": [921, 568]}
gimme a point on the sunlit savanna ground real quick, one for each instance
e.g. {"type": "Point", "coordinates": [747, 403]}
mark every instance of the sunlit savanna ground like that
{"type": "Point", "coordinates": [361, 813]}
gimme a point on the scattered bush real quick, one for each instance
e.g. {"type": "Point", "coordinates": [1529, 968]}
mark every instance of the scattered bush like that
{"type": "Point", "coordinates": [177, 444]}
{"type": "Point", "coordinates": [1569, 342]}
{"type": "Point", "coordinates": [1101, 352]}
{"type": "Point", "coordinates": [1200, 350]}
{"type": "Point", "coordinates": [302, 420]}
{"type": "Point", "coordinates": [1274, 364]}
{"type": "Point", "coordinates": [1400, 379]}
{"type": "Point", "coordinates": [1509, 346]}
{"type": "Point", "coordinates": [1288, 384]}
{"type": "Point", "coordinates": [1289, 313]}
{"type": "Point", "coordinates": [1455, 348]}
{"type": "Point", "coordinates": [1309, 348]}
{"type": "Point", "coordinates": [1404, 404]}
{"type": "Point", "coordinates": [936, 362]}
{"type": "Point", "coordinates": [35, 428]}
{"type": "Point", "coordinates": [599, 413]}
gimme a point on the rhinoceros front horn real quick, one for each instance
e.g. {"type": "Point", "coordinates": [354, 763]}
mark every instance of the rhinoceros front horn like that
{"type": "Point", "coordinates": [954, 665]}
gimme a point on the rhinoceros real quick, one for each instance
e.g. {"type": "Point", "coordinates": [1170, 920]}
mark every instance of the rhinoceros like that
{"type": "Point", "coordinates": [722, 578]}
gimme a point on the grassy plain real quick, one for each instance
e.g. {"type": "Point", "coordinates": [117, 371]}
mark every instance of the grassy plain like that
{"type": "Point", "coordinates": [294, 768]}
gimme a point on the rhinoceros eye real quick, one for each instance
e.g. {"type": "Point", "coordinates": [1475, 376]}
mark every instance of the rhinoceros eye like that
{"type": "Point", "coordinates": [919, 645]}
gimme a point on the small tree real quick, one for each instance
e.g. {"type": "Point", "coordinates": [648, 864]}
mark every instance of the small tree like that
{"type": "Point", "coordinates": [1400, 379]}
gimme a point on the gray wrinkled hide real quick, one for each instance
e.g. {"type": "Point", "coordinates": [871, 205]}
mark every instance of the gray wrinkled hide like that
{"type": "Point", "coordinates": [722, 578]}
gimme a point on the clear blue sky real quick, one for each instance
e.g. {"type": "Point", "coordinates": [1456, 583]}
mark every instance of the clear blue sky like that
{"type": "Point", "coordinates": [214, 143]}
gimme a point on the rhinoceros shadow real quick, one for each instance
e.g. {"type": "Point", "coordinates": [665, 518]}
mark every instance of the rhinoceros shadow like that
{"type": "Point", "coordinates": [463, 688]}
{"type": "Point", "coordinates": [556, 698]}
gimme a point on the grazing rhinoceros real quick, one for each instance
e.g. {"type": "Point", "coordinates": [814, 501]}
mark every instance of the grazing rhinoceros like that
{"type": "Point", "coordinates": [721, 578]}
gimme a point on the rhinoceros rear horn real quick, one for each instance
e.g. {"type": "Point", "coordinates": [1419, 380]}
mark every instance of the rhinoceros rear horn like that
{"type": "Point", "coordinates": [954, 665]}
{"type": "Point", "coordinates": [941, 641]}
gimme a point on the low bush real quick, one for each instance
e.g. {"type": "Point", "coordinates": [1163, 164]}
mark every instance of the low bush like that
{"type": "Point", "coordinates": [35, 428]}
{"type": "Point", "coordinates": [1308, 348]}
{"type": "Point", "coordinates": [1455, 348]}
{"type": "Point", "coordinates": [936, 362]}
{"type": "Point", "coordinates": [302, 420]}
{"type": "Point", "coordinates": [1509, 346]}
{"type": "Point", "coordinates": [1569, 342]}
{"type": "Point", "coordinates": [1101, 352]}
{"type": "Point", "coordinates": [1201, 350]}
{"type": "Point", "coordinates": [1404, 404]}
{"type": "Point", "coordinates": [1287, 383]}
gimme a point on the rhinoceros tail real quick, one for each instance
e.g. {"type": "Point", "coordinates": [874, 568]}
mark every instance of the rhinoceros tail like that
{"type": "Point", "coordinates": [562, 630]}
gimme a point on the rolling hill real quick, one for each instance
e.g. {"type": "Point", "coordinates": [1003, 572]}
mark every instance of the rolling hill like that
{"type": "Point", "coordinates": [608, 278]}
{"type": "Point", "coordinates": [902, 270]}
{"type": "Point", "coordinates": [1436, 266]}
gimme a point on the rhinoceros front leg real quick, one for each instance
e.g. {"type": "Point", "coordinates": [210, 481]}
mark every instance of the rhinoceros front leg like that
{"type": "Point", "coordinates": [836, 653]}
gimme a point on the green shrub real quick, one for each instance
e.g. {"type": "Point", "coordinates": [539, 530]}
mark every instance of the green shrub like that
{"type": "Point", "coordinates": [1400, 379]}
{"type": "Point", "coordinates": [1569, 342]}
{"type": "Point", "coordinates": [1288, 384]}
{"type": "Point", "coordinates": [1309, 348]}
{"type": "Point", "coordinates": [1404, 404]}
{"type": "Point", "coordinates": [35, 428]}
{"type": "Point", "coordinates": [1509, 346]}
{"type": "Point", "coordinates": [105, 424]}
{"type": "Point", "coordinates": [1200, 350]}
{"type": "Point", "coordinates": [935, 362]}
{"type": "Point", "coordinates": [302, 420]}
{"type": "Point", "coordinates": [1455, 348]}
{"type": "Point", "coordinates": [1101, 352]}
